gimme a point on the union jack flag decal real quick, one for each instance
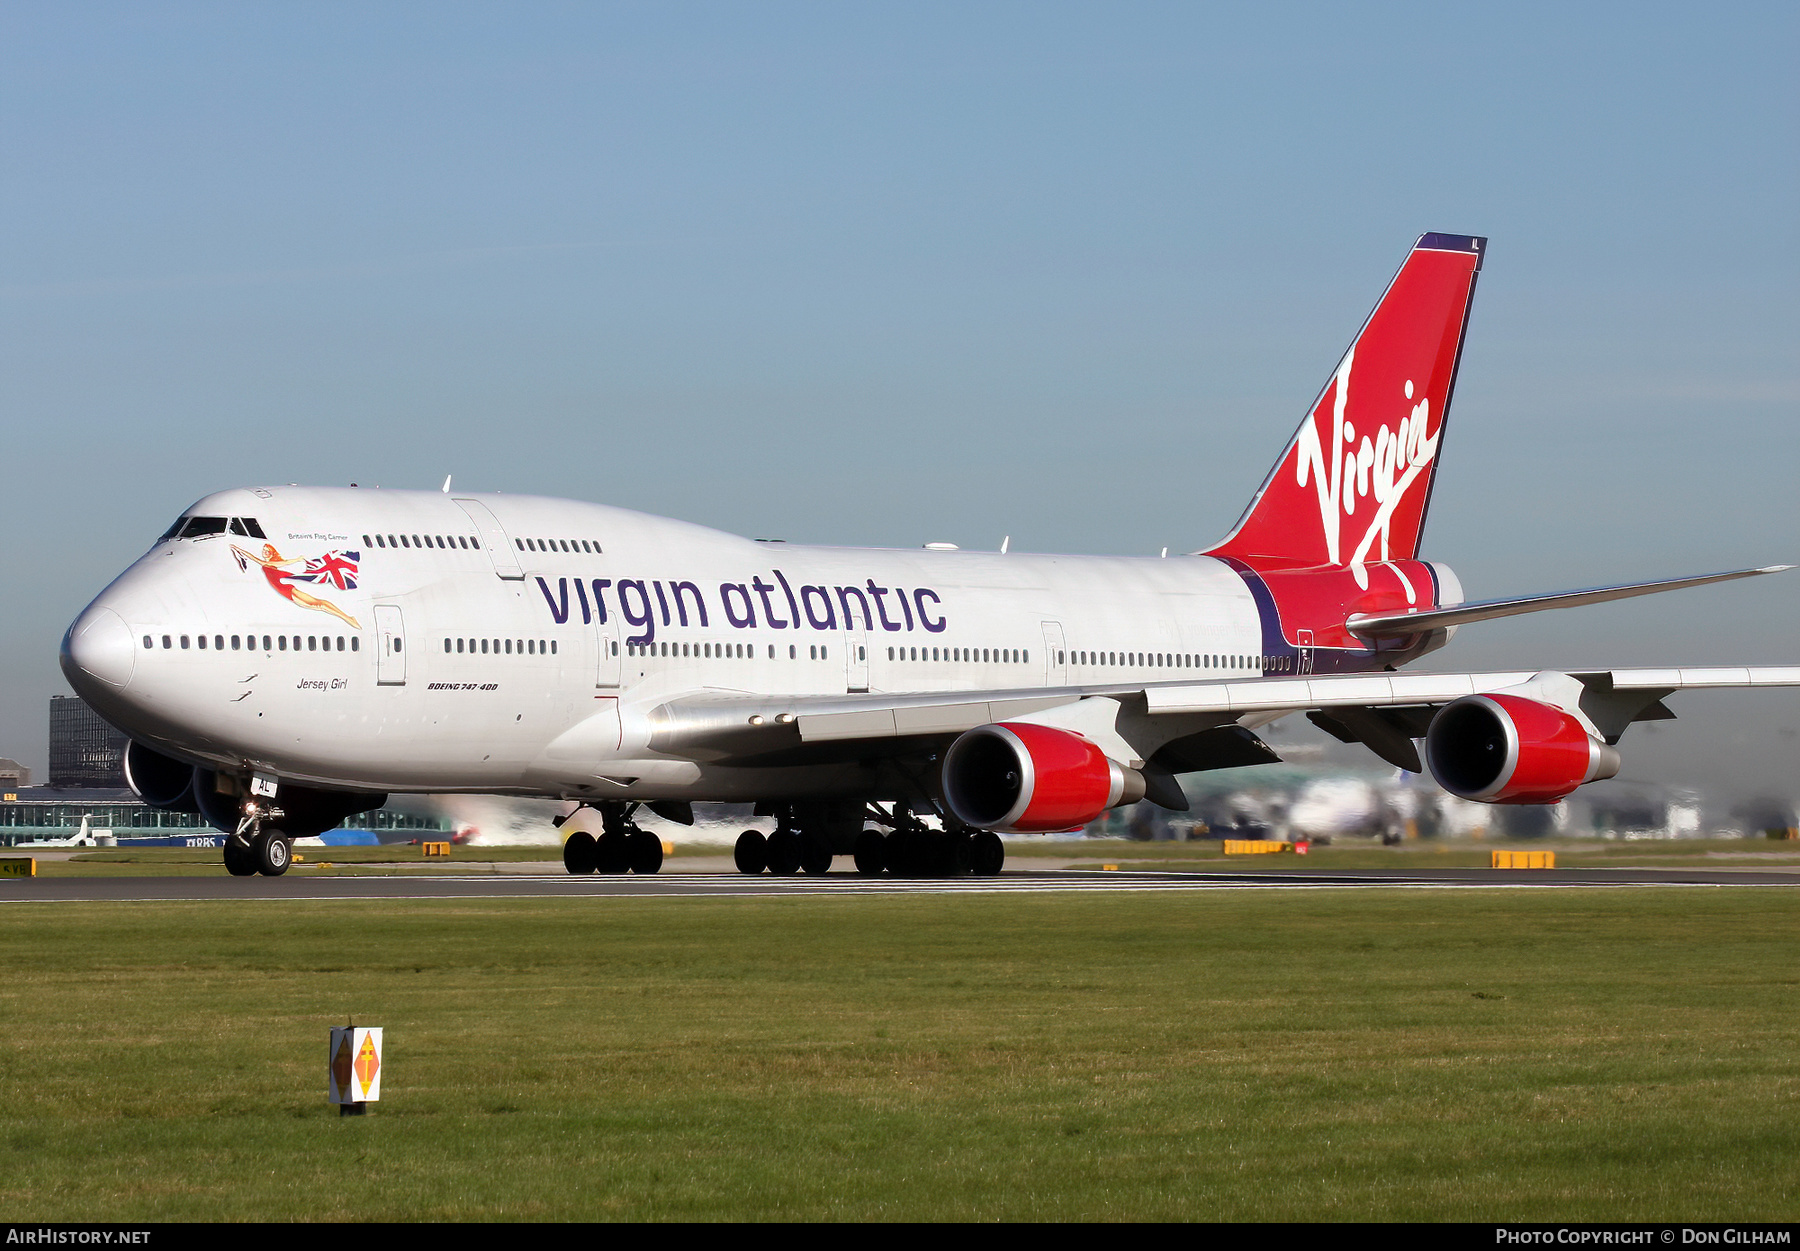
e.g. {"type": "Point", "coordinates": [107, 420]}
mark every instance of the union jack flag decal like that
{"type": "Point", "coordinates": [333, 568]}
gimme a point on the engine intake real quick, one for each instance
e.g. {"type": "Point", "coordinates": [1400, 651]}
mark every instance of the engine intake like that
{"type": "Point", "coordinates": [1506, 749]}
{"type": "Point", "coordinates": [161, 782]}
{"type": "Point", "coordinates": [1031, 779]}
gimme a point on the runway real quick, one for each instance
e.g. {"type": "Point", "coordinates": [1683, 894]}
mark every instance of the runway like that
{"type": "Point", "coordinates": [304, 886]}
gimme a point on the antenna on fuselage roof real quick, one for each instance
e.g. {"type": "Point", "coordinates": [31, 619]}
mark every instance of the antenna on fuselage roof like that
{"type": "Point", "coordinates": [446, 486]}
{"type": "Point", "coordinates": [1005, 543]}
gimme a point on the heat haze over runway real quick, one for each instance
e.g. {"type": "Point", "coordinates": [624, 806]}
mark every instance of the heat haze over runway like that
{"type": "Point", "coordinates": [833, 886]}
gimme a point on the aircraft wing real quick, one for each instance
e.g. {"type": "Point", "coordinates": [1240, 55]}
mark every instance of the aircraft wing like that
{"type": "Point", "coordinates": [752, 729]}
{"type": "Point", "coordinates": [1387, 625]}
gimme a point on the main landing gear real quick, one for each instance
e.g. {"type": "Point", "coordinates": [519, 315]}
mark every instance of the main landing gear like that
{"type": "Point", "coordinates": [623, 847]}
{"type": "Point", "coordinates": [911, 849]}
{"type": "Point", "coordinates": [251, 849]}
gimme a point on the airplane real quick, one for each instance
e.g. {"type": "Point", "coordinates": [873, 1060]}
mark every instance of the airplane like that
{"type": "Point", "coordinates": [286, 656]}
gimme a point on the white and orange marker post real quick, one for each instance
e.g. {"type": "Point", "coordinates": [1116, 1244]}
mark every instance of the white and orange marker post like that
{"type": "Point", "coordinates": [354, 1066]}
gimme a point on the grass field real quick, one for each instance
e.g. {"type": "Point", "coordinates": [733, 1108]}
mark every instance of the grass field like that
{"type": "Point", "coordinates": [1400, 1054]}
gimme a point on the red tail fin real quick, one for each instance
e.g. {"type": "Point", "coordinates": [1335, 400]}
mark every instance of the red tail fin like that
{"type": "Point", "coordinates": [1353, 484]}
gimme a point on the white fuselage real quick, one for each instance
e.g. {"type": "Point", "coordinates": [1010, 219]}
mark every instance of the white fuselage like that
{"type": "Point", "coordinates": [518, 644]}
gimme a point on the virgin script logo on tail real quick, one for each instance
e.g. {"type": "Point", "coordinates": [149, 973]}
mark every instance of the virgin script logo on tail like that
{"type": "Point", "coordinates": [1382, 467]}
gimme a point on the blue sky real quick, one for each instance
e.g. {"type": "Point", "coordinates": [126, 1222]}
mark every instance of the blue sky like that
{"type": "Point", "coordinates": [886, 274]}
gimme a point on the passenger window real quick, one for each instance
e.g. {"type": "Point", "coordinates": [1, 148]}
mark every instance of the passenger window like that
{"type": "Point", "coordinates": [355, 643]}
{"type": "Point", "coordinates": [283, 639]}
{"type": "Point", "coordinates": [484, 644]}
{"type": "Point", "coordinates": [418, 542]}
{"type": "Point", "coordinates": [509, 647]}
{"type": "Point", "coordinates": [218, 642]}
{"type": "Point", "coordinates": [521, 543]}
{"type": "Point", "coordinates": [446, 647]}
{"type": "Point", "coordinates": [167, 642]}
{"type": "Point", "coordinates": [184, 642]}
{"type": "Point", "coordinates": [366, 542]}
{"type": "Point", "coordinates": [392, 541]}
{"type": "Point", "coordinates": [202, 642]}
{"type": "Point", "coordinates": [403, 541]}
{"type": "Point", "coordinates": [148, 645]}
{"type": "Point", "coordinates": [312, 643]}
{"type": "Point", "coordinates": [552, 646]}
{"type": "Point", "coordinates": [793, 651]}
{"type": "Point", "coordinates": [396, 645]}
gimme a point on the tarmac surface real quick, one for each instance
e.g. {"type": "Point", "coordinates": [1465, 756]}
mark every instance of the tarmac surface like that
{"type": "Point", "coordinates": [302, 885]}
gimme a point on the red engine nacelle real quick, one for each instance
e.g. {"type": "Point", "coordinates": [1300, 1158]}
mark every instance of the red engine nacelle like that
{"type": "Point", "coordinates": [1031, 779]}
{"type": "Point", "coordinates": [1506, 749]}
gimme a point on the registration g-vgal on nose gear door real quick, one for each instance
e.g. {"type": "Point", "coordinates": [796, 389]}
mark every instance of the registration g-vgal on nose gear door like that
{"type": "Point", "coordinates": [390, 644]}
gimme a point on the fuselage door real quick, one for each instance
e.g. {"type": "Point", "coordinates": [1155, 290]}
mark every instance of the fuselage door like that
{"type": "Point", "coordinates": [494, 537]}
{"type": "Point", "coordinates": [856, 654]}
{"type": "Point", "coordinates": [390, 641]}
{"type": "Point", "coordinates": [1056, 660]}
{"type": "Point", "coordinates": [607, 674]}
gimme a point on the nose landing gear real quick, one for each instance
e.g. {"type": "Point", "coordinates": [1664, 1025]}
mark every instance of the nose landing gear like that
{"type": "Point", "coordinates": [251, 849]}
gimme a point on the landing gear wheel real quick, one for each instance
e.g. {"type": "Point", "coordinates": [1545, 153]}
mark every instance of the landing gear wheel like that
{"type": "Point", "coordinates": [578, 852]}
{"type": "Point", "coordinates": [900, 851]}
{"type": "Point", "coordinates": [959, 854]}
{"type": "Point", "coordinates": [871, 853]}
{"type": "Point", "coordinates": [240, 859]}
{"type": "Point", "coordinates": [784, 853]}
{"type": "Point", "coordinates": [987, 854]}
{"type": "Point", "coordinates": [612, 852]}
{"type": "Point", "coordinates": [646, 852]}
{"type": "Point", "coordinates": [935, 856]}
{"type": "Point", "coordinates": [815, 855]}
{"type": "Point", "coordinates": [273, 854]}
{"type": "Point", "coordinates": [751, 852]}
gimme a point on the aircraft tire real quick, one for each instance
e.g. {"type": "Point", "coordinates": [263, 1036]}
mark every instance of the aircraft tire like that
{"type": "Point", "coordinates": [815, 855]}
{"type": "Point", "coordinates": [871, 853]}
{"type": "Point", "coordinates": [612, 852]}
{"type": "Point", "coordinates": [784, 853]}
{"type": "Point", "coordinates": [240, 858]}
{"type": "Point", "coordinates": [936, 856]}
{"type": "Point", "coordinates": [273, 854]}
{"type": "Point", "coordinates": [578, 852]}
{"type": "Point", "coordinates": [751, 852]}
{"type": "Point", "coordinates": [646, 852]}
{"type": "Point", "coordinates": [987, 854]}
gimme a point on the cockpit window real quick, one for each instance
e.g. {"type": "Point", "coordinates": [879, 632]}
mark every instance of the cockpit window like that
{"type": "Point", "coordinates": [247, 526]}
{"type": "Point", "coordinates": [173, 530]}
{"type": "Point", "coordinates": [197, 526]}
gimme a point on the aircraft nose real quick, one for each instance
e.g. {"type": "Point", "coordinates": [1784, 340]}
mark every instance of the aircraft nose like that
{"type": "Point", "coordinates": [99, 646]}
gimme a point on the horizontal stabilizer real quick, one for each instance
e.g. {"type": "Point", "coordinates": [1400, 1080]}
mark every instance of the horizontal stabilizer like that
{"type": "Point", "coordinates": [1388, 625]}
